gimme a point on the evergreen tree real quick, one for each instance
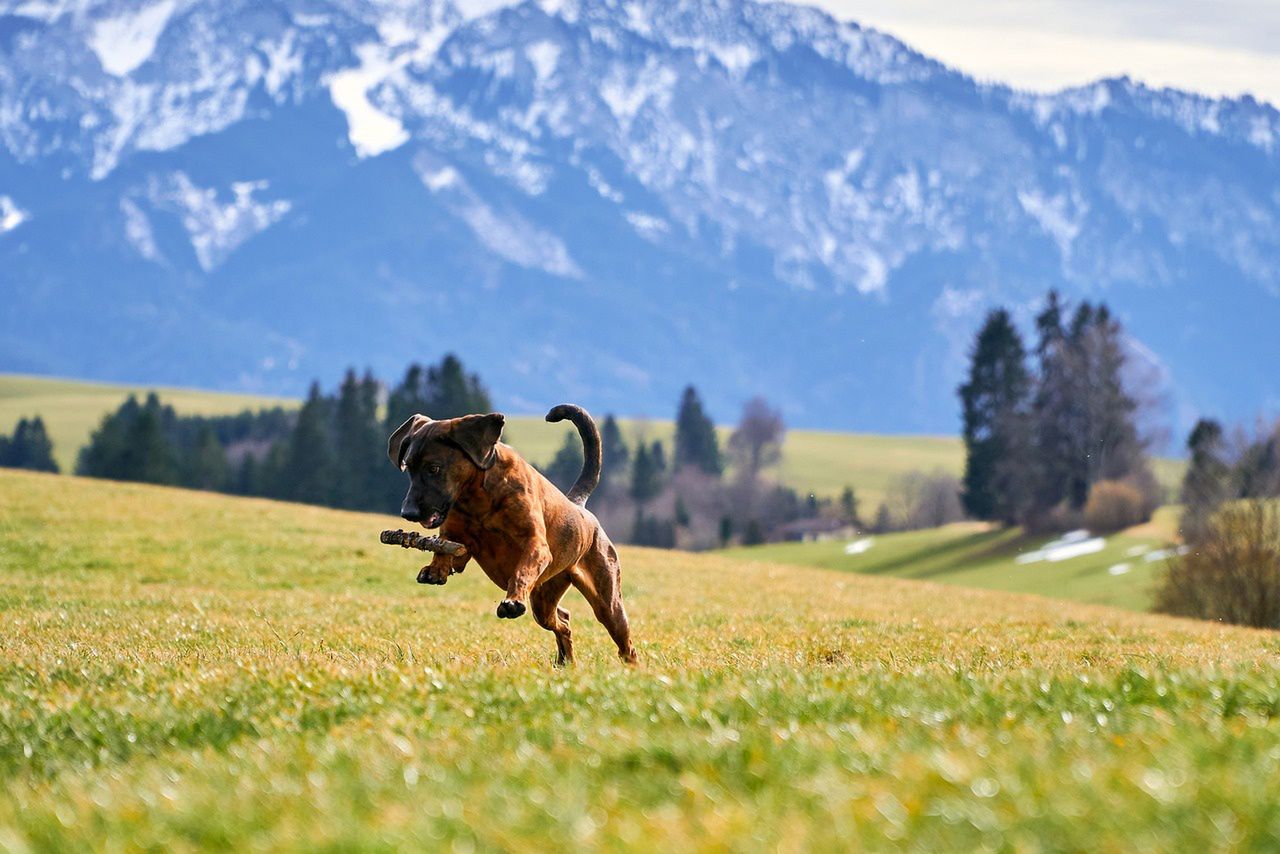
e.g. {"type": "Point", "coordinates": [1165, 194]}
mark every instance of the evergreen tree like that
{"type": "Point", "coordinates": [696, 442]}
{"type": "Point", "coordinates": [359, 445]}
{"type": "Point", "coordinates": [567, 463]}
{"type": "Point", "coordinates": [307, 469]}
{"type": "Point", "coordinates": [994, 405]}
{"type": "Point", "coordinates": [884, 521]}
{"type": "Point", "coordinates": [1054, 412]}
{"type": "Point", "coordinates": [646, 472]}
{"type": "Point", "coordinates": [614, 453]}
{"type": "Point", "coordinates": [29, 448]}
{"type": "Point", "coordinates": [205, 466]}
{"type": "Point", "coordinates": [849, 507]}
{"type": "Point", "coordinates": [726, 530]}
{"type": "Point", "coordinates": [441, 391]}
{"type": "Point", "coordinates": [1207, 482]}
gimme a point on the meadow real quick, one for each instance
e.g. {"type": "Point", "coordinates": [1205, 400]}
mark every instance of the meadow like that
{"type": "Point", "coordinates": [184, 670]}
{"type": "Point", "coordinates": [819, 461]}
{"type": "Point", "coordinates": [1123, 573]}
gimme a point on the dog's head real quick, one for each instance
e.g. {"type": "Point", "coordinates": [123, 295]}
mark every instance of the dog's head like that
{"type": "Point", "coordinates": [440, 457]}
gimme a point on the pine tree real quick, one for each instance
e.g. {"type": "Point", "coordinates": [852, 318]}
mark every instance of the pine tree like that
{"type": "Point", "coordinates": [307, 469]}
{"type": "Point", "coordinates": [29, 448]}
{"type": "Point", "coordinates": [696, 443]}
{"type": "Point", "coordinates": [359, 445]}
{"type": "Point", "coordinates": [849, 507]}
{"type": "Point", "coordinates": [565, 467]}
{"type": "Point", "coordinates": [441, 391]}
{"type": "Point", "coordinates": [994, 403]}
{"type": "Point", "coordinates": [205, 466]}
{"type": "Point", "coordinates": [1054, 411]}
{"type": "Point", "coordinates": [646, 472]}
{"type": "Point", "coordinates": [1207, 482]}
{"type": "Point", "coordinates": [614, 453]}
{"type": "Point", "coordinates": [148, 453]}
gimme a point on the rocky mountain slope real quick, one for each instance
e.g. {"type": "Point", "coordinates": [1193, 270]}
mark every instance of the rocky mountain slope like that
{"type": "Point", "coordinates": [601, 202]}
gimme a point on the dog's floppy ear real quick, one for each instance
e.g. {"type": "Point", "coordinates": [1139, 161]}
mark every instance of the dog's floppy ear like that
{"type": "Point", "coordinates": [477, 436]}
{"type": "Point", "coordinates": [398, 444]}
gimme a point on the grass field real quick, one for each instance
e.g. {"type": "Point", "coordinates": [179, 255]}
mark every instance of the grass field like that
{"type": "Point", "coordinates": [182, 670]}
{"type": "Point", "coordinates": [823, 462]}
{"type": "Point", "coordinates": [977, 556]}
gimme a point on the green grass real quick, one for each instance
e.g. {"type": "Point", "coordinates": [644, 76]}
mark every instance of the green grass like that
{"type": "Point", "coordinates": [182, 670]}
{"type": "Point", "coordinates": [817, 461]}
{"type": "Point", "coordinates": [972, 555]}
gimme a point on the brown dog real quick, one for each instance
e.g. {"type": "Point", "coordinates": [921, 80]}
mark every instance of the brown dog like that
{"type": "Point", "coordinates": [530, 538]}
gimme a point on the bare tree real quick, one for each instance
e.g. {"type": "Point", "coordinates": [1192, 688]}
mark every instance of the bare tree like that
{"type": "Point", "coordinates": [757, 441]}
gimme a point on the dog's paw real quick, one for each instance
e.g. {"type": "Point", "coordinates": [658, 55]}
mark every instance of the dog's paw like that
{"type": "Point", "coordinates": [509, 609]}
{"type": "Point", "coordinates": [430, 575]}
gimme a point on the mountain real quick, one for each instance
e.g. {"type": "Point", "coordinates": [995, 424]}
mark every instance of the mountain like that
{"type": "Point", "coordinates": [603, 201]}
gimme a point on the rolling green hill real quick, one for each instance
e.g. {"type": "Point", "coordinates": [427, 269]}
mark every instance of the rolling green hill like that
{"type": "Point", "coordinates": [186, 670]}
{"type": "Point", "coordinates": [1122, 573]}
{"type": "Point", "coordinates": [824, 462]}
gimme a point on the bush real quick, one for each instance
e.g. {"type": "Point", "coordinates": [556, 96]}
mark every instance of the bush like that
{"type": "Point", "coordinates": [1233, 574]}
{"type": "Point", "coordinates": [1114, 505]}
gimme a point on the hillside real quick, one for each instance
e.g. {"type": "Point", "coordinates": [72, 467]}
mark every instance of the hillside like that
{"type": "Point", "coordinates": [192, 670]}
{"type": "Point", "coordinates": [1121, 570]}
{"type": "Point", "coordinates": [242, 197]}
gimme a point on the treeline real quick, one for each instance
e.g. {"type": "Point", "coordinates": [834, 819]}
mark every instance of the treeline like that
{"type": "Point", "coordinates": [28, 448]}
{"type": "Point", "coordinates": [697, 494]}
{"type": "Point", "coordinates": [332, 451]}
{"type": "Point", "coordinates": [1052, 438]}
{"type": "Point", "coordinates": [1224, 468]}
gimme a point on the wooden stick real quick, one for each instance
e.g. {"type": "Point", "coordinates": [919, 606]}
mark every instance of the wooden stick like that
{"type": "Point", "coordinates": [414, 540]}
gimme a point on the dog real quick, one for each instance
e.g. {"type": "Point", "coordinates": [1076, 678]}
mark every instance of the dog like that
{"type": "Point", "coordinates": [531, 539]}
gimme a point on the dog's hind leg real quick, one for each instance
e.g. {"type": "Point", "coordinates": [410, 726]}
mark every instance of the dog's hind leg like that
{"type": "Point", "coordinates": [544, 602]}
{"type": "Point", "coordinates": [600, 582]}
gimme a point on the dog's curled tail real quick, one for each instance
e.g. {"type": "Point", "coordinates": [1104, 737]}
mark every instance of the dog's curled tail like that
{"type": "Point", "coordinates": [589, 479]}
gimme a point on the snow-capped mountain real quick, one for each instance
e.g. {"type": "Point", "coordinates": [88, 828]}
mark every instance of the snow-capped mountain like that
{"type": "Point", "coordinates": [602, 201]}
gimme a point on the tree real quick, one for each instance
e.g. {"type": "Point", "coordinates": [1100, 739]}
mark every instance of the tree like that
{"type": "Point", "coordinates": [567, 463]}
{"type": "Point", "coordinates": [849, 507]}
{"type": "Point", "coordinates": [646, 472]}
{"type": "Point", "coordinates": [614, 453]}
{"type": "Point", "coordinates": [1207, 482]}
{"type": "Point", "coordinates": [757, 441]}
{"type": "Point", "coordinates": [307, 469]}
{"type": "Point", "coordinates": [696, 442]}
{"type": "Point", "coordinates": [205, 466]}
{"type": "Point", "coordinates": [1054, 412]}
{"type": "Point", "coordinates": [360, 468]}
{"type": "Point", "coordinates": [29, 448]}
{"type": "Point", "coordinates": [441, 391]}
{"type": "Point", "coordinates": [884, 521]}
{"type": "Point", "coordinates": [994, 403]}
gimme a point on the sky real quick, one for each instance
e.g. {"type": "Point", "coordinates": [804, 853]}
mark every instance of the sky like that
{"type": "Point", "coordinates": [1217, 47]}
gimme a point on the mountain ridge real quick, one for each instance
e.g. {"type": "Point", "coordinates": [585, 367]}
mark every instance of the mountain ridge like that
{"type": "Point", "coordinates": [782, 202]}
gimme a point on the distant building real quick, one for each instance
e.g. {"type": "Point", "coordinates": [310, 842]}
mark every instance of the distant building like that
{"type": "Point", "coordinates": [814, 531]}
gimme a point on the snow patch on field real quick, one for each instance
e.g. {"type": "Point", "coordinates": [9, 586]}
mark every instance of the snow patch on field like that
{"type": "Point", "coordinates": [126, 41]}
{"type": "Point", "coordinates": [858, 547]}
{"type": "Point", "coordinates": [1069, 545]}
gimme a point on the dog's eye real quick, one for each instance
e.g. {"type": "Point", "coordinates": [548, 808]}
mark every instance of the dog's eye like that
{"type": "Point", "coordinates": [433, 469]}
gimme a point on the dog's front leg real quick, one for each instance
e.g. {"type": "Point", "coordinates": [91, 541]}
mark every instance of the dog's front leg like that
{"type": "Point", "coordinates": [441, 567]}
{"type": "Point", "coordinates": [526, 574]}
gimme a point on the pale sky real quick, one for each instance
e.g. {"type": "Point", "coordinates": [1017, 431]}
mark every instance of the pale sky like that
{"type": "Point", "coordinates": [1217, 47]}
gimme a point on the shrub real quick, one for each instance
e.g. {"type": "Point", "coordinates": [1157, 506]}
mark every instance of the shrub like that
{"type": "Point", "coordinates": [1114, 505]}
{"type": "Point", "coordinates": [1233, 574]}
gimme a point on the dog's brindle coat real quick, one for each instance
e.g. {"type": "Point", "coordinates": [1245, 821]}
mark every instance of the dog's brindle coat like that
{"type": "Point", "coordinates": [531, 539]}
